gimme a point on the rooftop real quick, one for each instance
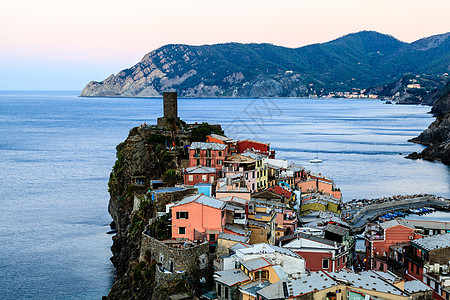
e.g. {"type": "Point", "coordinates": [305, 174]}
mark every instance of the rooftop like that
{"type": "Point", "coordinates": [254, 287]}
{"type": "Point", "coordinates": [253, 155]}
{"type": "Point", "coordinates": [366, 280]}
{"type": "Point", "coordinates": [415, 286]}
{"type": "Point", "coordinates": [202, 199]}
{"type": "Point", "coordinates": [231, 277]}
{"type": "Point", "coordinates": [239, 229]}
{"type": "Point", "coordinates": [220, 137]}
{"type": "Point", "coordinates": [233, 237]}
{"type": "Point", "coordinates": [393, 223]}
{"type": "Point", "coordinates": [238, 246]}
{"type": "Point", "coordinates": [263, 248]}
{"type": "Point", "coordinates": [255, 263]}
{"type": "Point", "coordinates": [336, 229]}
{"type": "Point", "coordinates": [296, 287]}
{"type": "Point", "coordinates": [205, 146]}
{"type": "Point", "coordinates": [200, 170]}
{"type": "Point", "coordinates": [300, 235]}
{"type": "Point", "coordinates": [433, 242]}
{"type": "Point", "coordinates": [235, 199]}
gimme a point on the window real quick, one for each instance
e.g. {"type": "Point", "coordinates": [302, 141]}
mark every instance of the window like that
{"type": "Point", "coordinates": [208, 163]}
{"type": "Point", "coordinates": [226, 292]}
{"type": "Point", "coordinates": [256, 277]}
{"type": "Point", "coordinates": [181, 230]}
{"type": "Point", "coordinates": [325, 264]}
{"type": "Point", "coordinates": [208, 153]}
{"type": "Point", "coordinates": [219, 290]}
{"type": "Point", "coordinates": [182, 215]}
{"type": "Point", "coordinates": [264, 274]}
{"type": "Point", "coordinates": [203, 177]}
{"type": "Point", "coordinates": [219, 162]}
{"type": "Point", "coordinates": [338, 262]}
{"type": "Point", "coordinates": [220, 153]}
{"type": "Point", "coordinates": [212, 237]}
{"type": "Point", "coordinates": [253, 186]}
{"type": "Point", "coordinates": [198, 162]}
{"type": "Point", "coordinates": [191, 177]}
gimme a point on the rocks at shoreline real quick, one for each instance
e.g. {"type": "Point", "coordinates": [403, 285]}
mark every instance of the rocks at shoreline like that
{"type": "Point", "coordinates": [437, 136]}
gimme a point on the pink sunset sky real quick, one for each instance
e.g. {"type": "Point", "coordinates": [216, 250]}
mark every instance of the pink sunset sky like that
{"type": "Point", "coordinates": [64, 44]}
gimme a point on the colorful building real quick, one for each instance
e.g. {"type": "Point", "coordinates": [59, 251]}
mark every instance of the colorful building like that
{"type": "Point", "coordinates": [319, 253]}
{"type": "Point", "coordinates": [198, 218]}
{"type": "Point", "coordinates": [379, 237]}
{"type": "Point", "coordinates": [259, 147]}
{"type": "Point", "coordinates": [428, 260]}
{"type": "Point", "coordinates": [199, 174]}
{"type": "Point", "coordinates": [207, 154]}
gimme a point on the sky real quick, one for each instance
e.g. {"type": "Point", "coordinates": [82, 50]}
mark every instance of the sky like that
{"type": "Point", "coordinates": [64, 44]}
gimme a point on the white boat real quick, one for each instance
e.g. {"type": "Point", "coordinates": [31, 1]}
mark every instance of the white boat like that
{"type": "Point", "coordinates": [315, 161]}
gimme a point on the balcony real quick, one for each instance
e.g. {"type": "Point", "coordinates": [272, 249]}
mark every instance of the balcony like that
{"type": "Point", "coordinates": [240, 221]}
{"type": "Point", "coordinates": [374, 237]}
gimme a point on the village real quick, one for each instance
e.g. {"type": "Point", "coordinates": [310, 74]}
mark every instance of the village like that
{"type": "Point", "coordinates": [247, 225]}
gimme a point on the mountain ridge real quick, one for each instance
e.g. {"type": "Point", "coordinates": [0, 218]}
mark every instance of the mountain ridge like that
{"type": "Point", "coordinates": [357, 60]}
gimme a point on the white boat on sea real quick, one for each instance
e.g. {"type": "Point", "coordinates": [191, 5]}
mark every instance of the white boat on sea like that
{"type": "Point", "coordinates": [316, 159]}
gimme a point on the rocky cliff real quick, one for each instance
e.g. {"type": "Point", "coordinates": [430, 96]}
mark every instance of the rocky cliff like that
{"type": "Point", "coordinates": [142, 157]}
{"type": "Point", "coordinates": [357, 60]}
{"type": "Point", "coordinates": [437, 135]}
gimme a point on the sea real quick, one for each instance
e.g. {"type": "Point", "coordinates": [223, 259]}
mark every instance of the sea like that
{"type": "Point", "coordinates": [57, 151]}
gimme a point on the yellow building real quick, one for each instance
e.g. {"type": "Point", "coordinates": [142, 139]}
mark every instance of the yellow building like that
{"type": "Point", "coordinates": [262, 175]}
{"type": "Point", "coordinates": [321, 203]}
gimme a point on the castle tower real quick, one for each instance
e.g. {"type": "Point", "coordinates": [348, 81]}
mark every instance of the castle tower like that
{"type": "Point", "coordinates": [170, 105]}
{"type": "Point", "coordinates": [170, 108]}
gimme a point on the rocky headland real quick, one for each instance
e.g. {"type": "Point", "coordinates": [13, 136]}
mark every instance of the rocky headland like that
{"type": "Point", "coordinates": [437, 136]}
{"type": "Point", "coordinates": [355, 61]}
{"type": "Point", "coordinates": [144, 156]}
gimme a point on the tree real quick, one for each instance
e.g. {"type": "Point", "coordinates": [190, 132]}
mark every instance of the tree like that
{"type": "Point", "coordinates": [170, 177]}
{"type": "Point", "coordinates": [199, 133]}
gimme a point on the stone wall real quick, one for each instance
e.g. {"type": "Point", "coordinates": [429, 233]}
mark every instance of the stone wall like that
{"type": "Point", "coordinates": [425, 201]}
{"type": "Point", "coordinates": [162, 278]}
{"type": "Point", "coordinates": [193, 260]}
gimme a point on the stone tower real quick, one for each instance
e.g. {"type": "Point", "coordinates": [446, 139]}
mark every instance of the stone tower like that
{"type": "Point", "coordinates": [170, 105]}
{"type": "Point", "coordinates": [170, 108]}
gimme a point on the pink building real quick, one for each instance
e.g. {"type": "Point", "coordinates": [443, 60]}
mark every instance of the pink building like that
{"type": "Point", "coordinates": [198, 217]}
{"type": "Point", "coordinates": [207, 154]}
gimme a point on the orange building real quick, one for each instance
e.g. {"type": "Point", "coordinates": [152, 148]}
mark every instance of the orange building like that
{"type": "Point", "coordinates": [198, 218]}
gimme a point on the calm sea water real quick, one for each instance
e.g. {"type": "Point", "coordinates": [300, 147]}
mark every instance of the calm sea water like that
{"type": "Point", "coordinates": [57, 151]}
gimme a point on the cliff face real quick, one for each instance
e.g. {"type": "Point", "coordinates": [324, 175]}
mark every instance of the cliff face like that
{"type": "Point", "coordinates": [357, 60]}
{"type": "Point", "coordinates": [141, 154]}
{"type": "Point", "coordinates": [437, 135]}
{"type": "Point", "coordinates": [142, 157]}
